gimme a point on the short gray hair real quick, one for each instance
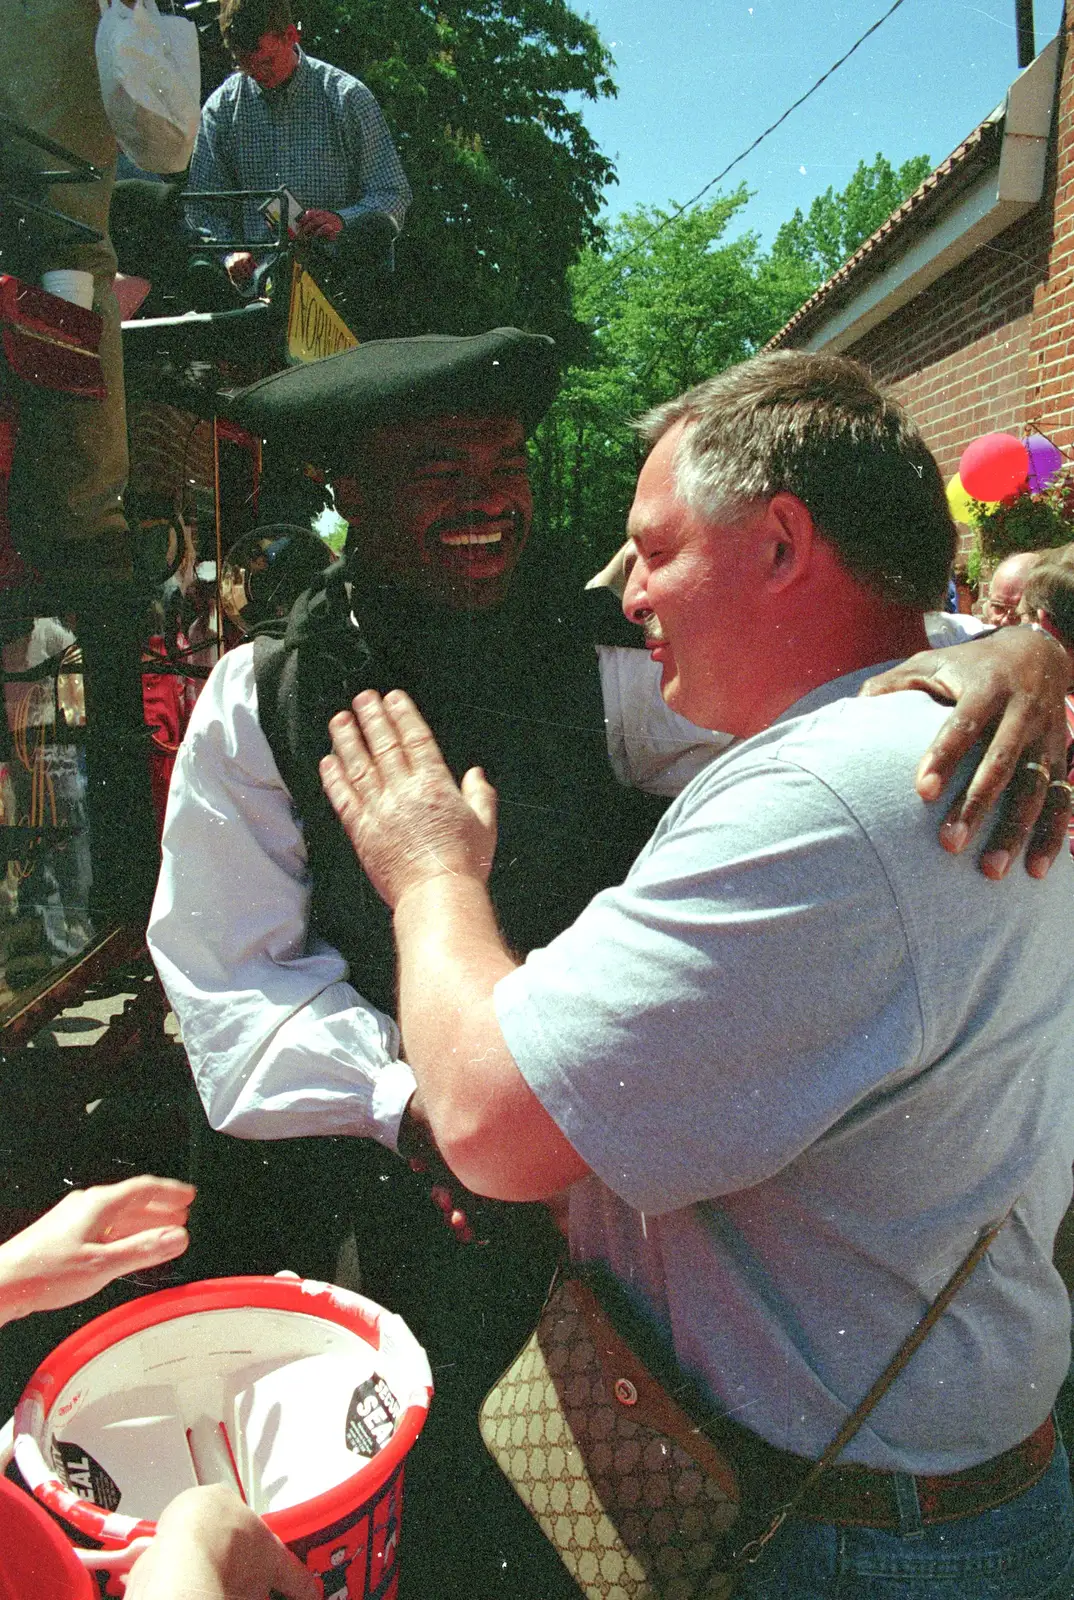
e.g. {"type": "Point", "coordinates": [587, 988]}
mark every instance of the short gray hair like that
{"type": "Point", "coordinates": [1050, 588]}
{"type": "Point", "coordinates": [818, 427]}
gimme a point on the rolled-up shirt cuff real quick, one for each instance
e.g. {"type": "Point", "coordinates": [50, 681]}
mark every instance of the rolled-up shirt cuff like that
{"type": "Point", "coordinates": [368, 208]}
{"type": "Point", "coordinates": [392, 1089]}
{"type": "Point", "coordinates": [330, 1068]}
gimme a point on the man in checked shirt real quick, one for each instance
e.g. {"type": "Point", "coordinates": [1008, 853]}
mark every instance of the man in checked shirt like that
{"type": "Point", "coordinates": [286, 120]}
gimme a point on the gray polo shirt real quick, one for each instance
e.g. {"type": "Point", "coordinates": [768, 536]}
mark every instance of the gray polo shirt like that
{"type": "Point", "coordinates": [809, 1056]}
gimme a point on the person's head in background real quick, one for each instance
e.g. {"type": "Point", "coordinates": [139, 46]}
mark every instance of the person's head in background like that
{"type": "Point", "coordinates": [1048, 597]}
{"type": "Point", "coordinates": [1001, 607]}
{"type": "Point", "coordinates": [261, 38]}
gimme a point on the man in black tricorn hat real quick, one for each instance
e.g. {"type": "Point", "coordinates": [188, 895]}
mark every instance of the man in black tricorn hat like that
{"type": "Point", "coordinates": [262, 921]}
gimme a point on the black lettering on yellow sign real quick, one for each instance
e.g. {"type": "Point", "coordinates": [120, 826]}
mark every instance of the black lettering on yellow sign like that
{"type": "Point", "coordinates": [314, 328]}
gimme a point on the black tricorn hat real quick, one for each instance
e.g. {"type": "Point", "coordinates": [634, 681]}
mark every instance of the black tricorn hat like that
{"type": "Point", "coordinates": [314, 411]}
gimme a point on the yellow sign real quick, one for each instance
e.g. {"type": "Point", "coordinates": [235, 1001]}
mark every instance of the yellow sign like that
{"type": "Point", "coordinates": [315, 328]}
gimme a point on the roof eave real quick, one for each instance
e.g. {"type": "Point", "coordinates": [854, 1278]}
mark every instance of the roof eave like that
{"type": "Point", "coordinates": [994, 177]}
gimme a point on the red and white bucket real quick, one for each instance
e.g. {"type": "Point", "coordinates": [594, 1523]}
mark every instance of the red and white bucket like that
{"type": "Point", "coordinates": [302, 1397]}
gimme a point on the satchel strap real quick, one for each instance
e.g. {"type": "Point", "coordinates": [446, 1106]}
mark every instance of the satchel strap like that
{"type": "Point", "coordinates": [751, 1552]}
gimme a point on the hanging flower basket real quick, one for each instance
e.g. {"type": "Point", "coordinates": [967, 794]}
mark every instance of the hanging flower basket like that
{"type": "Point", "coordinates": [1027, 521]}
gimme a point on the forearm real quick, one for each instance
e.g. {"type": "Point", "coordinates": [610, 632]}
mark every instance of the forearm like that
{"type": "Point", "coordinates": [427, 846]}
{"type": "Point", "coordinates": [388, 201]}
{"type": "Point", "coordinates": [451, 956]}
{"type": "Point", "coordinates": [16, 1295]}
{"type": "Point", "coordinates": [24, 1286]}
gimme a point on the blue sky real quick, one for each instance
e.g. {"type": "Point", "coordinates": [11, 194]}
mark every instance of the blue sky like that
{"type": "Point", "coordinates": [699, 79]}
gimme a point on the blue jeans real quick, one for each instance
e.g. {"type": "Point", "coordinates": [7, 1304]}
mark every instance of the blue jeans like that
{"type": "Point", "coordinates": [1023, 1550]}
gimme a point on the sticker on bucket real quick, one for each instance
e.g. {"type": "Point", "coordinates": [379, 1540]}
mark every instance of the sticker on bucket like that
{"type": "Point", "coordinates": [334, 1577]}
{"type": "Point", "coordinates": [84, 1476]}
{"type": "Point", "coordinates": [371, 1417]}
{"type": "Point", "coordinates": [358, 1559]}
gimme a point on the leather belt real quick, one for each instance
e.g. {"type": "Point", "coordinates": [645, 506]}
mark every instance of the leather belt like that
{"type": "Point", "coordinates": [856, 1496]}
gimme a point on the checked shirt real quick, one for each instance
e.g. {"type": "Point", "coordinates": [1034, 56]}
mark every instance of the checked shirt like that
{"type": "Point", "coordinates": [321, 135]}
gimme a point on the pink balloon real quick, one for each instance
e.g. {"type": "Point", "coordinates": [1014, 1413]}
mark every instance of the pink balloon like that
{"type": "Point", "coordinates": [994, 467]}
{"type": "Point", "coordinates": [1045, 459]}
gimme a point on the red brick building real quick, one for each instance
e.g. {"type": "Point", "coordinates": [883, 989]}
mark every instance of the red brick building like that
{"type": "Point", "coordinates": [964, 299]}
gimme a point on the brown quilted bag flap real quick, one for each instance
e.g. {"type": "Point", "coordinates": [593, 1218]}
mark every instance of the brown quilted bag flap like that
{"type": "Point", "coordinates": [641, 1397]}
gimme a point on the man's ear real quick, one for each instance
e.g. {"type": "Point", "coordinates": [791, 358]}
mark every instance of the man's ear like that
{"type": "Point", "coordinates": [787, 550]}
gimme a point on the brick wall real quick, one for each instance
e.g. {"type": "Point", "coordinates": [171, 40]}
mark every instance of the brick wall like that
{"type": "Point", "coordinates": [1050, 367]}
{"type": "Point", "coordinates": [957, 354]}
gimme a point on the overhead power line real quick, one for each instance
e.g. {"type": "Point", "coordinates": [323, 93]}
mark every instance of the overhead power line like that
{"type": "Point", "coordinates": [624, 255]}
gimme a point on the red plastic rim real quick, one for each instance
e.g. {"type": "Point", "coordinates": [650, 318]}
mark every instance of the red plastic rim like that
{"type": "Point", "coordinates": [35, 1558]}
{"type": "Point", "coordinates": [350, 1311]}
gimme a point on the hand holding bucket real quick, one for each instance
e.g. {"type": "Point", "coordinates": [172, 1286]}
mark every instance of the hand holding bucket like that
{"type": "Point", "coordinates": [209, 1544]}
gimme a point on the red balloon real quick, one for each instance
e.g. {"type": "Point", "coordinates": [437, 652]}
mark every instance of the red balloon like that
{"type": "Point", "coordinates": [994, 467]}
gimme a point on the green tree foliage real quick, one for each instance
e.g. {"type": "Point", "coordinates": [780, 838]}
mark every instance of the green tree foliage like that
{"type": "Point", "coordinates": [667, 302]}
{"type": "Point", "coordinates": [837, 224]}
{"type": "Point", "coordinates": [670, 300]}
{"type": "Point", "coordinates": [507, 180]}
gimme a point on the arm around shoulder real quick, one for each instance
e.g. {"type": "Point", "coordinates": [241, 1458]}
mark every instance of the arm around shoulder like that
{"type": "Point", "coordinates": [1008, 687]}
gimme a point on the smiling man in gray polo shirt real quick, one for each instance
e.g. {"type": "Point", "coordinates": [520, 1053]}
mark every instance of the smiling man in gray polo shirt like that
{"type": "Point", "coordinates": [798, 1062]}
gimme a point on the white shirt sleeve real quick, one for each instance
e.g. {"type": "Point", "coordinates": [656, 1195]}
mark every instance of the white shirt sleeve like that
{"type": "Point", "coordinates": [952, 627]}
{"type": "Point", "coordinates": [279, 1043]}
{"type": "Point", "coordinates": [651, 747]}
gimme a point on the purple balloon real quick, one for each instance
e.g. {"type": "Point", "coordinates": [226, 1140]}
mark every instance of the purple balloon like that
{"type": "Point", "coordinates": [1044, 461]}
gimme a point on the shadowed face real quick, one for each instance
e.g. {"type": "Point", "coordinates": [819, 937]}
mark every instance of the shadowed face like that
{"type": "Point", "coordinates": [272, 60]}
{"type": "Point", "coordinates": [444, 504]}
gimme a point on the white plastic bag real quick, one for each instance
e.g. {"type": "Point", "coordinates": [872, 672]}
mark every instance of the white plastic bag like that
{"type": "Point", "coordinates": [150, 82]}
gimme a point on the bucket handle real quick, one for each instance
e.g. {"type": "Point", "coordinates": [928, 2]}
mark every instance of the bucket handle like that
{"type": "Point", "coordinates": [96, 1560]}
{"type": "Point", "coordinates": [112, 1561]}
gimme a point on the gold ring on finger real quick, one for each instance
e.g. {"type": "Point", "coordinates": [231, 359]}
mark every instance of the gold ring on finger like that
{"type": "Point", "coordinates": [1061, 783]}
{"type": "Point", "coordinates": [1038, 769]}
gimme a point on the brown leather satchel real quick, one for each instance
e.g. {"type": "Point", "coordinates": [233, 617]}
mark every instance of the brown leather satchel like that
{"type": "Point", "coordinates": [624, 1480]}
